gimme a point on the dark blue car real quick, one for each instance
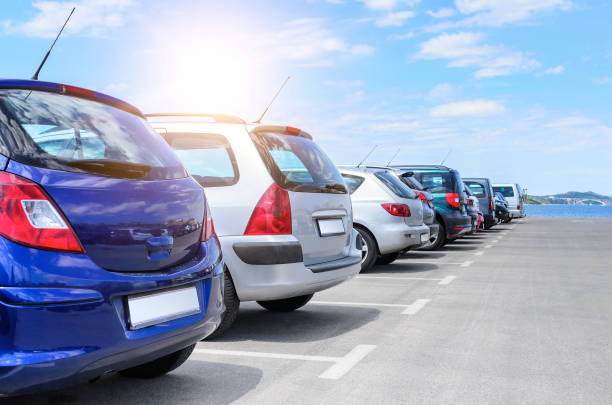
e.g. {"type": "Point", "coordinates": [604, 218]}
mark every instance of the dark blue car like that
{"type": "Point", "coordinates": [108, 257]}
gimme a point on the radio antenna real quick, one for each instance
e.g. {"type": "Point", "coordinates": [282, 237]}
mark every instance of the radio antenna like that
{"type": "Point", "coordinates": [35, 77]}
{"type": "Point", "coordinates": [446, 157]}
{"type": "Point", "coordinates": [366, 156]}
{"type": "Point", "coordinates": [274, 98]}
{"type": "Point", "coordinates": [390, 160]}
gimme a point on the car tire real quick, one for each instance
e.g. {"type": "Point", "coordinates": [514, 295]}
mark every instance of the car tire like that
{"type": "Point", "coordinates": [370, 253]}
{"type": "Point", "coordinates": [439, 240]}
{"type": "Point", "coordinates": [388, 258]}
{"type": "Point", "coordinates": [506, 221]}
{"type": "Point", "coordinates": [232, 305]}
{"type": "Point", "coordinates": [286, 304]}
{"type": "Point", "coordinates": [159, 367]}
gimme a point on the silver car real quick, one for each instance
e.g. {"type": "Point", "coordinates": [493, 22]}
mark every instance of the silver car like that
{"type": "Point", "coordinates": [387, 214]}
{"type": "Point", "coordinates": [280, 208]}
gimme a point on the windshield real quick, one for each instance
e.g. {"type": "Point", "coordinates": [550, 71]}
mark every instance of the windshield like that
{"type": "Point", "coordinates": [298, 164]}
{"type": "Point", "coordinates": [60, 132]}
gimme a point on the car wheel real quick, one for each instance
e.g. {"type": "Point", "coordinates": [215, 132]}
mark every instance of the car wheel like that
{"type": "Point", "coordinates": [388, 258]}
{"type": "Point", "coordinates": [161, 366]}
{"type": "Point", "coordinates": [286, 304]}
{"type": "Point", "coordinates": [369, 251]}
{"type": "Point", "coordinates": [232, 304]}
{"type": "Point", "coordinates": [438, 239]}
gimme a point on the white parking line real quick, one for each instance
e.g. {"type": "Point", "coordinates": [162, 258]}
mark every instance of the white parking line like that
{"type": "Point", "coordinates": [447, 280]}
{"type": "Point", "coordinates": [479, 253]}
{"type": "Point", "coordinates": [400, 278]}
{"type": "Point", "coordinates": [341, 365]}
{"type": "Point", "coordinates": [415, 307]}
{"type": "Point", "coordinates": [488, 246]}
{"type": "Point", "coordinates": [411, 309]}
{"type": "Point", "coordinates": [495, 241]}
{"type": "Point", "coordinates": [467, 263]}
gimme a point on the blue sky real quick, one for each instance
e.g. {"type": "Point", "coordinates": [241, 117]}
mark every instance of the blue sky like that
{"type": "Point", "coordinates": [518, 91]}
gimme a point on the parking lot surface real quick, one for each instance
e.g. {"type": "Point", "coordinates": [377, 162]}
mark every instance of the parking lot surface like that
{"type": "Point", "coordinates": [521, 313]}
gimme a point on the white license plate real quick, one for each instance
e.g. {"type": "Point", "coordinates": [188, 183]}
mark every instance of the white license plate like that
{"type": "Point", "coordinates": [331, 227]}
{"type": "Point", "coordinates": [424, 238]}
{"type": "Point", "coordinates": [150, 309]}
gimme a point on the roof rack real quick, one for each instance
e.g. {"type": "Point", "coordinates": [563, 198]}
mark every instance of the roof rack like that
{"type": "Point", "coordinates": [218, 118]}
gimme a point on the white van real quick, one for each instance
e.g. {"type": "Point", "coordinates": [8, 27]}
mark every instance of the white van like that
{"type": "Point", "coordinates": [513, 194]}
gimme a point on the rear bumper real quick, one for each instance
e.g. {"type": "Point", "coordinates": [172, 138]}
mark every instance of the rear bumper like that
{"type": "Point", "coordinates": [267, 275]}
{"type": "Point", "coordinates": [457, 224]}
{"type": "Point", "coordinates": [398, 236]}
{"type": "Point", "coordinates": [516, 214]}
{"type": "Point", "coordinates": [489, 220]}
{"type": "Point", "coordinates": [76, 331]}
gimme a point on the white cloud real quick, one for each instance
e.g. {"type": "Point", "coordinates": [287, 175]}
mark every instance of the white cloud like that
{"type": "Point", "coordinates": [395, 19]}
{"type": "Point", "coordinates": [467, 108]}
{"type": "Point", "coordinates": [380, 4]}
{"type": "Point", "coordinates": [555, 70]}
{"type": "Point", "coordinates": [604, 80]}
{"type": "Point", "coordinates": [574, 121]}
{"type": "Point", "coordinates": [442, 13]}
{"type": "Point", "coordinates": [500, 12]}
{"type": "Point", "coordinates": [91, 17]}
{"type": "Point", "coordinates": [442, 91]}
{"type": "Point", "coordinates": [343, 83]}
{"type": "Point", "coordinates": [409, 35]}
{"type": "Point", "coordinates": [464, 49]}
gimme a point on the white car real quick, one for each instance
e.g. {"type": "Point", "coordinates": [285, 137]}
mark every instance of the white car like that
{"type": "Point", "coordinates": [387, 214]}
{"type": "Point", "coordinates": [280, 208]}
{"type": "Point", "coordinates": [514, 196]}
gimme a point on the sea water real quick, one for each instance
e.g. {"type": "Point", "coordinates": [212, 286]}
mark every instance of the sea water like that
{"type": "Point", "coordinates": [569, 210]}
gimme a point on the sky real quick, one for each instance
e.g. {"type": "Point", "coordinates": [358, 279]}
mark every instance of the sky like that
{"type": "Point", "coordinates": [515, 90]}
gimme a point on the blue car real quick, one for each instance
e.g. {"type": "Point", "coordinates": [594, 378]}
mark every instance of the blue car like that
{"type": "Point", "coordinates": [108, 257]}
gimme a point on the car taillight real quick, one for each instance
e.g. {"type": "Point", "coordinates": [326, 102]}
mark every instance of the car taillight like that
{"type": "Point", "coordinates": [518, 207]}
{"type": "Point", "coordinates": [421, 196]}
{"type": "Point", "coordinates": [430, 204]}
{"type": "Point", "coordinates": [272, 214]}
{"type": "Point", "coordinates": [209, 227]}
{"type": "Point", "coordinates": [398, 210]}
{"type": "Point", "coordinates": [30, 218]}
{"type": "Point", "coordinates": [453, 199]}
{"type": "Point", "coordinates": [491, 203]}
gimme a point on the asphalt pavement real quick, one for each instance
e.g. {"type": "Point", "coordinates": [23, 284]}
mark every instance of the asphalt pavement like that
{"type": "Point", "coordinates": [521, 313]}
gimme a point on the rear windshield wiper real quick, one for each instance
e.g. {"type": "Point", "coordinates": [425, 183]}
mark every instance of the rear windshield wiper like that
{"type": "Point", "coordinates": [336, 187]}
{"type": "Point", "coordinates": [113, 168]}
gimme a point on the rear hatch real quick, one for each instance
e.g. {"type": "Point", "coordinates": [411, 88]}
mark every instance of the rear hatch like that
{"type": "Point", "coordinates": [118, 184]}
{"type": "Point", "coordinates": [393, 184]}
{"type": "Point", "coordinates": [443, 186]}
{"type": "Point", "coordinates": [321, 214]}
{"type": "Point", "coordinates": [480, 190]}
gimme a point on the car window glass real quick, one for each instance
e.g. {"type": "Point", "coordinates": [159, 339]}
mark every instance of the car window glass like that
{"type": "Point", "coordinates": [437, 182]}
{"type": "Point", "coordinates": [291, 166]}
{"type": "Point", "coordinates": [352, 182]}
{"type": "Point", "coordinates": [477, 189]}
{"type": "Point", "coordinates": [506, 191]}
{"type": "Point", "coordinates": [395, 185]}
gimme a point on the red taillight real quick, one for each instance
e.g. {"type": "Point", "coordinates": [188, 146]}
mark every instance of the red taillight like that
{"type": "Point", "coordinates": [398, 210]}
{"type": "Point", "coordinates": [421, 196]}
{"type": "Point", "coordinates": [453, 199]}
{"type": "Point", "coordinates": [30, 218]}
{"type": "Point", "coordinates": [518, 207]}
{"type": "Point", "coordinates": [209, 227]}
{"type": "Point", "coordinates": [272, 214]}
{"type": "Point", "coordinates": [77, 91]}
{"type": "Point", "coordinates": [491, 203]}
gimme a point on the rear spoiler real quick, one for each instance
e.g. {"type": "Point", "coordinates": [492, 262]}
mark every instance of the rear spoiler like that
{"type": "Point", "coordinates": [278, 129]}
{"type": "Point", "coordinates": [217, 118]}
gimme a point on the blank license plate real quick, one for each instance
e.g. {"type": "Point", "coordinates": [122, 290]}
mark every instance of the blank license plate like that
{"type": "Point", "coordinates": [331, 227]}
{"type": "Point", "coordinates": [424, 237]}
{"type": "Point", "coordinates": [151, 309]}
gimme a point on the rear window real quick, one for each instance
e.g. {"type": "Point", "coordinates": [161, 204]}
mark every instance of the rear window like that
{"type": "Point", "coordinates": [506, 191]}
{"type": "Point", "coordinates": [412, 182]}
{"type": "Point", "coordinates": [395, 185]}
{"type": "Point", "coordinates": [352, 182]}
{"type": "Point", "coordinates": [209, 158]}
{"type": "Point", "coordinates": [437, 182]}
{"type": "Point", "coordinates": [298, 164]}
{"type": "Point", "coordinates": [66, 133]}
{"type": "Point", "coordinates": [477, 189]}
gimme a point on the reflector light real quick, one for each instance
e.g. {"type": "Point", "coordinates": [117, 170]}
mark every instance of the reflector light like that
{"type": "Point", "coordinates": [458, 228]}
{"type": "Point", "coordinates": [30, 218]}
{"type": "Point", "coordinates": [294, 130]}
{"type": "Point", "coordinates": [452, 199]}
{"type": "Point", "coordinates": [272, 214]}
{"type": "Point", "coordinates": [397, 210]}
{"type": "Point", "coordinates": [491, 203]}
{"type": "Point", "coordinates": [209, 227]}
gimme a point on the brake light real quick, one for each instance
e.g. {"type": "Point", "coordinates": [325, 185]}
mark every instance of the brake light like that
{"type": "Point", "coordinates": [209, 227]}
{"type": "Point", "coordinates": [294, 130]}
{"type": "Point", "coordinates": [30, 218]}
{"type": "Point", "coordinates": [77, 91]}
{"type": "Point", "coordinates": [453, 199]}
{"type": "Point", "coordinates": [518, 207]}
{"type": "Point", "coordinates": [272, 214]}
{"type": "Point", "coordinates": [398, 210]}
{"type": "Point", "coordinates": [421, 196]}
{"type": "Point", "coordinates": [491, 203]}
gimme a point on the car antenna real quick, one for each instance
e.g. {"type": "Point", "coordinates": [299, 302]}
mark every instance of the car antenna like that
{"type": "Point", "coordinates": [273, 98]}
{"type": "Point", "coordinates": [390, 160]}
{"type": "Point", "coordinates": [35, 77]}
{"type": "Point", "coordinates": [446, 157]}
{"type": "Point", "coordinates": [366, 156]}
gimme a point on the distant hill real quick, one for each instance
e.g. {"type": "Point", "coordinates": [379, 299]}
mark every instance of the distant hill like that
{"type": "Point", "coordinates": [571, 197]}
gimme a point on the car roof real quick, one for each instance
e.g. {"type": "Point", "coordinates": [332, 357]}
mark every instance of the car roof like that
{"type": "Point", "coordinates": [66, 89]}
{"type": "Point", "coordinates": [423, 167]}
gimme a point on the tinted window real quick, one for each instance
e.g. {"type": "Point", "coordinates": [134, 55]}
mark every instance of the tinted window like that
{"type": "Point", "coordinates": [395, 185]}
{"type": "Point", "coordinates": [477, 189]}
{"type": "Point", "coordinates": [437, 182]}
{"type": "Point", "coordinates": [298, 164]}
{"type": "Point", "coordinates": [72, 134]}
{"type": "Point", "coordinates": [412, 182]}
{"type": "Point", "coordinates": [506, 191]}
{"type": "Point", "coordinates": [208, 158]}
{"type": "Point", "coordinates": [352, 182]}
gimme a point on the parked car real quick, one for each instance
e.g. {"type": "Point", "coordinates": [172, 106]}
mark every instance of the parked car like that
{"type": "Point", "coordinates": [472, 207]}
{"type": "Point", "coordinates": [501, 208]}
{"type": "Point", "coordinates": [108, 257]}
{"type": "Point", "coordinates": [481, 188]}
{"type": "Point", "coordinates": [387, 214]}
{"type": "Point", "coordinates": [512, 194]}
{"type": "Point", "coordinates": [446, 186]}
{"type": "Point", "coordinates": [281, 209]}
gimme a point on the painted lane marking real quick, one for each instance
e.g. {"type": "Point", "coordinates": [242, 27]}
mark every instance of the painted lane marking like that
{"type": "Point", "coordinates": [415, 307]}
{"type": "Point", "coordinates": [341, 366]}
{"type": "Point", "coordinates": [488, 246]}
{"type": "Point", "coordinates": [495, 241]}
{"type": "Point", "coordinates": [447, 280]}
{"type": "Point", "coordinates": [467, 263]}
{"type": "Point", "coordinates": [479, 253]}
{"type": "Point", "coordinates": [401, 278]}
